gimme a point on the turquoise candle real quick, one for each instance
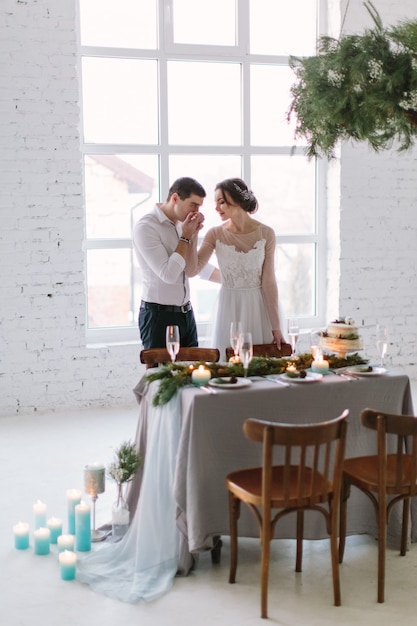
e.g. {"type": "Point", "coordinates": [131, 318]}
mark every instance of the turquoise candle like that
{"type": "Point", "coordinates": [67, 564]}
{"type": "Point", "coordinates": [73, 498]}
{"type": "Point", "coordinates": [21, 536]}
{"type": "Point", "coordinates": [41, 541]}
{"type": "Point", "coordinates": [39, 510]}
{"type": "Point", "coordinates": [66, 542]}
{"type": "Point", "coordinates": [82, 527]}
{"type": "Point", "coordinates": [55, 527]}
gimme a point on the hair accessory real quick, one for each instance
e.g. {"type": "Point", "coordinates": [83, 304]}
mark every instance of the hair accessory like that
{"type": "Point", "coordinates": [246, 195]}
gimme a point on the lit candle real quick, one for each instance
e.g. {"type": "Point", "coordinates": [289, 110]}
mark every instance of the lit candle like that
{"type": "Point", "coordinates": [201, 376]}
{"type": "Point", "coordinates": [94, 478]}
{"type": "Point", "coordinates": [73, 498]}
{"type": "Point", "coordinates": [82, 527]}
{"type": "Point", "coordinates": [66, 542]}
{"type": "Point", "coordinates": [39, 509]}
{"type": "Point", "coordinates": [55, 526]}
{"type": "Point", "coordinates": [42, 540]}
{"type": "Point", "coordinates": [320, 365]}
{"type": "Point", "coordinates": [21, 536]}
{"type": "Point", "coordinates": [67, 564]}
{"type": "Point", "coordinates": [291, 368]}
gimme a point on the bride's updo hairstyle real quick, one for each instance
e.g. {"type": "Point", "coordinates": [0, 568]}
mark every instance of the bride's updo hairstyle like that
{"type": "Point", "coordinates": [238, 191]}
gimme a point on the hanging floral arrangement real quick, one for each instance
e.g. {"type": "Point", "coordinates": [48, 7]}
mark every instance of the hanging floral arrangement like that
{"type": "Point", "coordinates": [358, 87]}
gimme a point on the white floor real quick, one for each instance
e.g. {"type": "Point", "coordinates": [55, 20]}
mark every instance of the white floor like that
{"type": "Point", "coordinates": [42, 456]}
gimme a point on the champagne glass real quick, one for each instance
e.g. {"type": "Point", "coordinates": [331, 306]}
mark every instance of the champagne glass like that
{"type": "Point", "coordinates": [246, 351]}
{"type": "Point", "coordinates": [293, 332]}
{"type": "Point", "coordinates": [382, 342]}
{"type": "Point", "coordinates": [173, 341]}
{"type": "Point", "coordinates": [235, 336]}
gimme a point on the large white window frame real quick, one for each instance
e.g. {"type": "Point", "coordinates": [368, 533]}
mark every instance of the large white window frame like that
{"type": "Point", "coordinates": [246, 151]}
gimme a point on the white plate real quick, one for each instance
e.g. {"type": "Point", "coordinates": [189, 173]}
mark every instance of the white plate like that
{"type": "Point", "coordinates": [311, 377]}
{"type": "Point", "coordinates": [376, 371]}
{"type": "Point", "coordinates": [241, 382]}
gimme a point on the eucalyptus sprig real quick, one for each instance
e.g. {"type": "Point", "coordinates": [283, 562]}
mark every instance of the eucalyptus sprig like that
{"type": "Point", "coordinates": [126, 463]}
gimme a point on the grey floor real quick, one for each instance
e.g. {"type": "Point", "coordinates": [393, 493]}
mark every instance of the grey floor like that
{"type": "Point", "coordinates": [43, 456]}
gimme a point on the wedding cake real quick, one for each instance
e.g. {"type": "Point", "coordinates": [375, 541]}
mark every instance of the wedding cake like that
{"type": "Point", "coordinates": [341, 336]}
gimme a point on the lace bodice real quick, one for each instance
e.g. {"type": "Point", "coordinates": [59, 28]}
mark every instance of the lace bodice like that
{"type": "Point", "coordinates": [241, 270]}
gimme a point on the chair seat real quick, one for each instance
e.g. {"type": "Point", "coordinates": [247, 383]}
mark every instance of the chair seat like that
{"type": "Point", "coordinates": [247, 483]}
{"type": "Point", "coordinates": [363, 472]}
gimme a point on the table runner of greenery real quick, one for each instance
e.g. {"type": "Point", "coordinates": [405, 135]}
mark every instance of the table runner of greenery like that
{"type": "Point", "coordinates": [173, 376]}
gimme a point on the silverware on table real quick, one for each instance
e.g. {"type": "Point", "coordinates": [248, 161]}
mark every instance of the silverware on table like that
{"type": "Point", "coordinates": [277, 381]}
{"type": "Point", "coordinates": [208, 389]}
{"type": "Point", "coordinates": [345, 375]}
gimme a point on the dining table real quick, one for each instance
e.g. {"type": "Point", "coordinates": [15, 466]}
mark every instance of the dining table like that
{"type": "Point", "coordinates": [178, 499]}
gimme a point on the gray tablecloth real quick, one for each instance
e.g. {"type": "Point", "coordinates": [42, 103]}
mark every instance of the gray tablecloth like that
{"type": "Point", "coordinates": [212, 444]}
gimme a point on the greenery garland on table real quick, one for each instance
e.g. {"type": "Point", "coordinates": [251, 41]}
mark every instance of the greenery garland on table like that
{"type": "Point", "coordinates": [359, 87]}
{"type": "Point", "coordinates": [173, 376]}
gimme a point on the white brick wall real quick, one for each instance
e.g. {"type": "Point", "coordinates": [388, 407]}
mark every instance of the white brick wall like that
{"type": "Point", "coordinates": [44, 363]}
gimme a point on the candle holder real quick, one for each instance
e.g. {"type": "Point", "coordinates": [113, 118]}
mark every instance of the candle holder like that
{"type": "Point", "coordinates": [94, 485]}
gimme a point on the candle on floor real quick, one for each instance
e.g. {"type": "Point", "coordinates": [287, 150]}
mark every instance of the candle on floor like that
{"type": "Point", "coordinates": [67, 564]}
{"type": "Point", "coordinates": [82, 527]}
{"type": "Point", "coordinates": [41, 541]}
{"type": "Point", "coordinates": [320, 365]}
{"type": "Point", "coordinates": [21, 536]}
{"type": "Point", "coordinates": [73, 498]}
{"type": "Point", "coordinates": [66, 542]}
{"type": "Point", "coordinates": [55, 526]}
{"type": "Point", "coordinates": [200, 376]}
{"type": "Point", "coordinates": [39, 510]}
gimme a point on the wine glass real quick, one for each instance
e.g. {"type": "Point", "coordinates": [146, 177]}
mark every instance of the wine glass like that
{"type": "Point", "coordinates": [293, 332]}
{"type": "Point", "coordinates": [173, 341]}
{"type": "Point", "coordinates": [382, 342]}
{"type": "Point", "coordinates": [246, 351]}
{"type": "Point", "coordinates": [235, 336]}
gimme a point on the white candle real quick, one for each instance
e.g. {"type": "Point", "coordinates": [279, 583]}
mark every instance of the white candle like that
{"type": "Point", "coordinates": [201, 376]}
{"type": "Point", "coordinates": [21, 536]}
{"type": "Point", "coordinates": [67, 564]}
{"type": "Point", "coordinates": [320, 365]}
{"type": "Point", "coordinates": [39, 509]}
{"type": "Point", "coordinates": [73, 498]}
{"type": "Point", "coordinates": [42, 540]}
{"type": "Point", "coordinates": [55, 526]}
{"type": "Point", "coordinates": [66, 542]}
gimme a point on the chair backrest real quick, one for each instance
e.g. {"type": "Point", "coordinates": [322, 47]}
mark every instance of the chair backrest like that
{"type": "Point", "coordinates": [320, 446]}
{"type": "Point", "coordinates": [160, 355]}
{"type": "Point", "coordinates": [402, 466]}
{"type": "Point", "coordinates": [266, 349]}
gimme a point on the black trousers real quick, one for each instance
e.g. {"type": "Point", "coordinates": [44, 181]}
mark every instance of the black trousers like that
{"type": "Point", "coordinates": [153, 320]}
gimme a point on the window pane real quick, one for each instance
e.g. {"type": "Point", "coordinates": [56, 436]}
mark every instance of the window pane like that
{"type": "Point", "coordinates": [199, 22]}
{"type": "Point", "coordinates": [121, 24]}
{"type": "Point", "coordinates": [208, 170]}
{"type": "Point", "coordinates": [117, 189]}
{"type": "Point", "coordinates": [109, 275]}
{"type": "Point", "coordinates": [120, 102]}
{"type": "Point", "coordinates": [283, 28]}
{"type": "Point", "coordinates": [296, 269]}
{"type": "Point", "coordinates": [204, 103]}
{"type": "Point", "coordinates": [270, 101]}
{"type": "Point", "coordinates": [285, 188]}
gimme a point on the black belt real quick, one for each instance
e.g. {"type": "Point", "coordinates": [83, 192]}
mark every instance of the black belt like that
{"type": "Point", "coordinates": [153, 306]}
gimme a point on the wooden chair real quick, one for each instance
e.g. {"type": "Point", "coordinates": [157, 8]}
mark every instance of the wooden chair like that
{"type": "Point", "coordinates": [160, 355]}
{"type": "Point", "coordinates": [265, 349]}
{"type": "Point", "coordinates": [383, 475]}
{"type": "Point", "coordinates": [309, 478]}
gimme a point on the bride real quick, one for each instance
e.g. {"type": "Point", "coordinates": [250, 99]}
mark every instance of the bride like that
{"type": "Point", "coordinates": [245, 250]}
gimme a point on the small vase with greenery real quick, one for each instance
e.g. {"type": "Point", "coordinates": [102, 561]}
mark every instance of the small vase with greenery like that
{"type": "Point", "coordinates": [126, 463]}
{"type": "Point", "coordinates": [358, 87]}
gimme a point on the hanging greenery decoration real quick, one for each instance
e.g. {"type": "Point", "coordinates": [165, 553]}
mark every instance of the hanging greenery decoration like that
{"type": "Point", "coordinates": [358, 87]}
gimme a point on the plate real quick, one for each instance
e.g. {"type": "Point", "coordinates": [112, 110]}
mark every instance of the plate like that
{"type": "Point", "coordinates": [223, 383]}
{"type": "Point", "coordinates": [376, 371]}
{"type": "Point", "coordinates": [312, 377]}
